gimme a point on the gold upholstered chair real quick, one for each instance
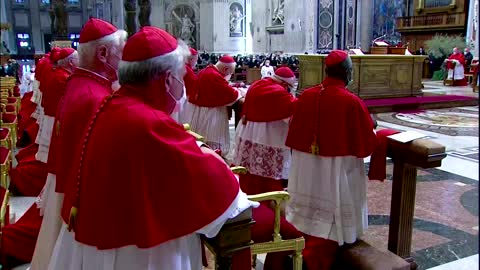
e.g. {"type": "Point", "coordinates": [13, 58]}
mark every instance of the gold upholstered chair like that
{"type": "Point", "coordinates": [5, 139]}
{"type": "Point", "coordinates": [5, 165]}
{"type": "Point", "coordinates": [9, 121]}
{"type": "Point", "coordinates": [277, 244]}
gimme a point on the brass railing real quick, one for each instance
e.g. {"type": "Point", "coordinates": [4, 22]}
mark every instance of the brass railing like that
{"type": "Point", "coordinates": [433, 21]}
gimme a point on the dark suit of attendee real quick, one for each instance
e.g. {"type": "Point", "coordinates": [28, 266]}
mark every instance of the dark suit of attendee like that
{"type": "Point", "coordinates": [468, 57]}
{"type": "Point", "coordinates": [421, 51]}
{"type": "Point", "coordinates": [6, 70]}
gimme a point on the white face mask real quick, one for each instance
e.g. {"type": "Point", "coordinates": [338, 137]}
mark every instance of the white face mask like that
{"type": "Point", "coordinates": [178, 102]}
{"type": "Point", "coordinates": [228, 77]}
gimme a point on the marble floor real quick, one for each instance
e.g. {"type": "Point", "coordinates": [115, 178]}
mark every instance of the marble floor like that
{"type": "Point", "coordinates": [446, 224]}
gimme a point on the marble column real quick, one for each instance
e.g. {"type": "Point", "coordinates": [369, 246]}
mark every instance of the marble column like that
{"type": "Point", "coordinates": [6, 34]}
{"type": "Point", "coordinates": [157, 17]}
{"type": "Point", "coordinates": [472, 27]}
{"type": "Point", "coordinates": [310, 12]}
{"type": "Point", "coordinates": [37, 41]}
{"type": "Point", "coordinates": [207, 37]}
{"type": "Point", "coordinates": [366, 24]}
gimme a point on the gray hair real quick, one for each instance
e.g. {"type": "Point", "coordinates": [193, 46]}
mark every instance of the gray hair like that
{"type": "Point", "coordinates": [87, 51]}
{"type": "Point", "coordinates": [64, 62]}
{"type": "Point", "coordinates": [143, 71]}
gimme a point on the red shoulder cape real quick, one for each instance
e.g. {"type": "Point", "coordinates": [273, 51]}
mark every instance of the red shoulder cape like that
{"type": "Point", "coordinates": [212, 90]}
{"type": "Point", "coordinates": [189, 80]}
{"type": "Point", "coordinates": [267, 101]}
{"type": "Point", "coordinates": [459, 57]}
{"type": "Point", "coordinates": [84, 93]}
{"type": "Point", "coordinates": [337, 119]}
{"type": "Point", "coordinates": [146, 193]}
{"type": "Point", "coordinates": [54, 89]}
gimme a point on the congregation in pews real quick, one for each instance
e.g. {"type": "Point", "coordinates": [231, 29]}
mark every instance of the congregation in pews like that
{"type": "Point", "coordinates": [126, 150]}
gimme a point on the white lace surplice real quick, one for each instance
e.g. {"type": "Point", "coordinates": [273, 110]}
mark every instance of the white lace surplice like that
{"type": "Point", "coordinates": [328, 196]}
{"type": "Point", "coordinates": [260, 147]}
{"type": "Point", "coordinates": [183, 253]}
{"type": "Point", "coordinates": [50, 204]}
{"type": "Point", "coordinates": [43, 137]}
{"type": "Point", "coordinates": [212, 124]}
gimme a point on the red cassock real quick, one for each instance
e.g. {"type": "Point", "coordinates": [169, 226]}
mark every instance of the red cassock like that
{"type": "Point", "coordinates": [189, 80]}
{"type": "Point", "coordinates": [333, 118]}
{"type": "Point", "coordinates": [29, 176]}
{"type": "Point", "coordinates": [84, 93]}
{"type": "Point", "coordinates": [456, 56]}
{"type": "Point", "coordinates": [47, 72]}
{"type": "Point", "coordinates": [330, 121]}
{"type": "Point", "coordinates": [54, 89]}
{"type": "Point", "coordinates": [139, 162]}
{"type": "Point", "coordinates": [26, 152]}
{"type": "Point", "coordinates": [41, 66]}
{"type": "Point", "coordinates": [266, 101]}
{"type": "Point", "coordinates": [212, 90]}
{"type": "Point", "coordinates": [26, 124]}
{"type": "Point", "coordinates": [19, 239]}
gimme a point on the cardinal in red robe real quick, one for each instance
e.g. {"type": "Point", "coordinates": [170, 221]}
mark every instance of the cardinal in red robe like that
{"type": "Point", "coordinates": [190, 76]}
{"type": "Point", "coordinates": [260, 136]}
{"type": "Point", "coordinates": [161, 232]}
{"type": "Point", "coordinates": [456, 68]}
{"type": "Point", "coordinates": [209, 101]}
{"type": "Point", "coordinates": [100, 50]}
{"type": "Point", "coordinates": [330, 134]}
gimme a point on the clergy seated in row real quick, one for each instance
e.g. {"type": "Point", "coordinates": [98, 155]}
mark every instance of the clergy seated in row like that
{"type": "Point", "coordinates": [260, 136]}
{"type": "Point", "coordinates": [330, 133]}
{"type": "Point", "coordinates": [27, 125]}
{"type": "Point", "coordinates": [455, 65]}
{"type": "Point", "coordinates": [208, 104]}
{"type": "Point", "coordinates": [161, 231]}
{"type": "Point", "coordinates": [99, 52]}
{"type": "Point", "coordinates": [30, 174]}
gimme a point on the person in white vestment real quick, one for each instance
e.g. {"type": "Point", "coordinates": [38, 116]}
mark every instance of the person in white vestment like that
{"type": "Point", "coordinates": [330, 134]}
{"type": "Point", "coordinates": [209, 101]}
{"type": "Point", "coordinates": [267, 70]}
{"type": "Point", "coordinates": [154, 206]}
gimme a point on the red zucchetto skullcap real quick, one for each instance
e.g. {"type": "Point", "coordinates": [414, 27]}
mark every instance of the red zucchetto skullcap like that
{"type": "Point", "coordinates": [148, 43]}
{"type": "Point", "coordinates": [193, 51]}
{"type": "Point", "coordinates": [335, 58]}
{"type": "Point", "coordinates": [95, 29]}
{"type": "Point", "coordinates": [285, 74]}
{"type": "Point", "coordinates": [227, 59]}
{"type": "Point", "coordinates": [65, 52]}
{"type": "Point", "coordinates": [54, 54]}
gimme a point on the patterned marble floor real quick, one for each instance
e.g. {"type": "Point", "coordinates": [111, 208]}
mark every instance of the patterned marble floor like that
{"type": "Point", "coordinates": [446, 225]}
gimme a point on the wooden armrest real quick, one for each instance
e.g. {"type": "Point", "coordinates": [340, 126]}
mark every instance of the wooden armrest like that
{"type": "Point", "coordinates": [197, 136]}
{"type": "Point", "coordinates": [277, 197]}
{"type": "Point", "coordinates": [3, 209]}
{"type": "Point", "coordinates": [239, 170]}
{"type": "Point", "coordinates": [270, 196]}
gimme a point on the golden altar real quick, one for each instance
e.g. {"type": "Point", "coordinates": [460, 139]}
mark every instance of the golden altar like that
{"type": "Point", "coordinates": [374, 76]}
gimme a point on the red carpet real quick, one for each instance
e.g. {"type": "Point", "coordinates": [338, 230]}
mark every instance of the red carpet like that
{"type": "Point", "coordinates": [418, 103]}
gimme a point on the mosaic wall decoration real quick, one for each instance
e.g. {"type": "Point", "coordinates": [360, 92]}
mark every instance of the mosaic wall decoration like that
{"type": "Point", "coordinates": [325, 24]}
{"type": "Point", "coordinates": [350, 23]}
{"type": "Point", "coordinates": [385, 15]}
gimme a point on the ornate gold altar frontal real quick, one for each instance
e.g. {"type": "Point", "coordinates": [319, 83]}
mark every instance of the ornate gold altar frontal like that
{"type": "Point", "coordinates": [374, 76]}
{"type": "Point", "coordinates": [61, 44]}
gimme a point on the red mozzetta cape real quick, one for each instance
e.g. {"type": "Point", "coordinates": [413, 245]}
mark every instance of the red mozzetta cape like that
{"type": "Point", "coordinates": [267, 101]}
{"type": "Point", "coordinates": [84, 93]}
{"type": "Point", "coordinates": [459, 57]}
{"type": "Point", "coordinates": [212, 90]}
{"type": "Point", "coordinates": [42, 65]}
{"type": "Point", "coordinates": [337, 120]}
{"type": "Point", "coordinates": [156, 188]}
{"type": "Point", "coordinates": [54, 90]}
{"type": "Point", "coordinates": [189, 80]}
